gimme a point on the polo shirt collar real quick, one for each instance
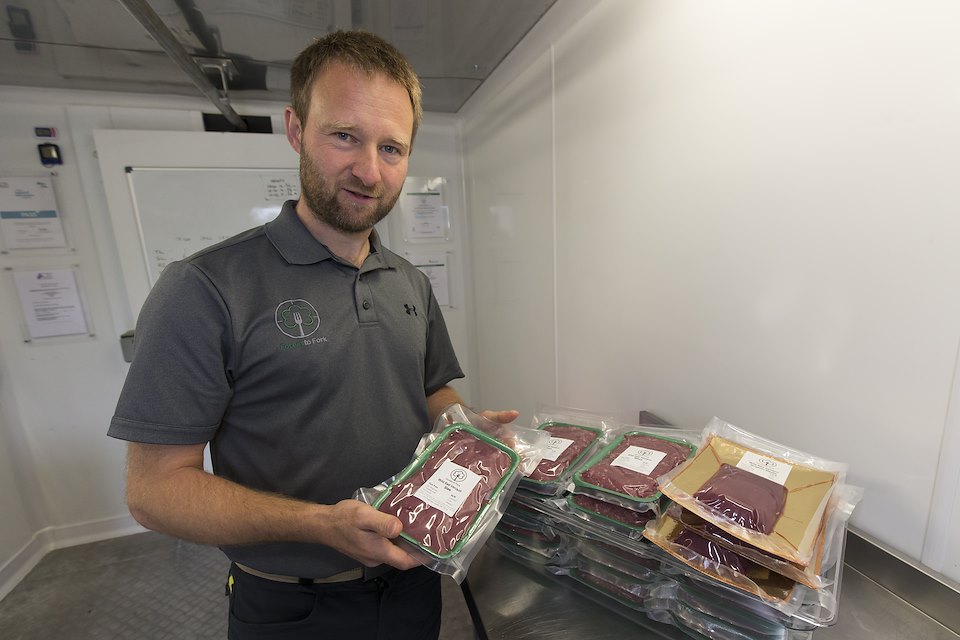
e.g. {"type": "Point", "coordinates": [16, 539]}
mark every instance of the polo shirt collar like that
{"type": "Point", "coordinates": [297, 246]}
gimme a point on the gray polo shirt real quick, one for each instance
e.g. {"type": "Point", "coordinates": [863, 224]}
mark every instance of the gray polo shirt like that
{"type": "Point", "coordinates": [307, 375]}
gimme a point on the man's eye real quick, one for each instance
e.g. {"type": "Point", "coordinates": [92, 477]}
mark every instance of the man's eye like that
{"type": "Point", "coordinates": [342, 135]}
{"type": "Point", "coordinates": [390, 149]}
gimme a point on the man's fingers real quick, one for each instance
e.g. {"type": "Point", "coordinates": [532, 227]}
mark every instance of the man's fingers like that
{"type": "Point", "coordinates": [503, 417]}
{"type": "Point", "coordinates": [370, 519]}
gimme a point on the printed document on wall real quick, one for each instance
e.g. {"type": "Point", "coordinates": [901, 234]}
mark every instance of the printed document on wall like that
{"type": "Point", "coordinates": [423, 210]}
{"type": "Point", "coordinates": [29, 218]}
{"type": "Point", "coordinates": [51, 302]}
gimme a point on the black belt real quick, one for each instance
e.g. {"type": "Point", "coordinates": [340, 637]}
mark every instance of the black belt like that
{"type": "Point", "coordinates": [357, 573]}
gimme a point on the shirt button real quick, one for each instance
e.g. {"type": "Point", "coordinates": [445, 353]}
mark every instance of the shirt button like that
{"type": "Point", "coordinates": [366, 304]}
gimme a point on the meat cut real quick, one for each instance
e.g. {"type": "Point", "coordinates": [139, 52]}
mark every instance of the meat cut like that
{"type": "Point", "coordinates": [631, 465]}
{"type": "Point", "coordinates": [440, 495]}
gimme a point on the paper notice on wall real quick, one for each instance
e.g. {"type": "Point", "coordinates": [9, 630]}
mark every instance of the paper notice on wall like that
{"type": "Point", "coordinates": [50, 302]}
{"type": "Point", "coordinates": [424, 214]}
{"type": "Point", "coordinates": [29, 218]}
{"type": "Point", "coordinates": [435, 267]}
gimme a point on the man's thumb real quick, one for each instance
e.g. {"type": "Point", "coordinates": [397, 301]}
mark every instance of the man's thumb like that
{"type": "Point", "coordinates": [389, 526]}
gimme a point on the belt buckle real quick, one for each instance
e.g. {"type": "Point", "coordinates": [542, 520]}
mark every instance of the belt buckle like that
{"type": "Point", "coordinates": [369, 573]}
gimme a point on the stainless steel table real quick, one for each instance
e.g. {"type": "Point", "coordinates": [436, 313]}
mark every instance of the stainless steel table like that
{"type": "Point", "coordinates": [517, 603]}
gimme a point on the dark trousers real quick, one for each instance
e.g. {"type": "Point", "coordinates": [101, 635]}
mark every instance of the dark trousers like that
{"type": "Point", "coordinates": [399, 605]}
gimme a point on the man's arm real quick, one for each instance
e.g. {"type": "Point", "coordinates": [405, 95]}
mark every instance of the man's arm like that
{"type": "Point", "coordinates": [169, 491]}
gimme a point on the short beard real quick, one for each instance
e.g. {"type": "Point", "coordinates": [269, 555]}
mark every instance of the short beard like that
{"type": "Point", "coordinates": [321, 197]}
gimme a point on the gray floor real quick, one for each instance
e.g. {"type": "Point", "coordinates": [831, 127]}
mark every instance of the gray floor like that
{"type": "Point", "coordinates": [145, 587]}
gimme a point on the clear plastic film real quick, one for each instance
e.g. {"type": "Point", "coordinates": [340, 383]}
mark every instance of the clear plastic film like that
{"type": "Point", "coordinates": [669, 592]}
{"type": "Point", "coordinates": [625, 470]}
{"type": "Point", "coordinates": [452, 494]}
{"type": "Point", "coordinates": [769, 495]}
{"type": "Point", "coordinates": [574, 434]}
{"type": "Point", "coordinates": [812, 607]}
{"type": "Point", "coordinates": [530, 444]}
{"type": "Point", "coordinates": [621, 587]}
{"type": "Point", "coordinates": [709, 558]}
{"type": "Point", "coordinates": [619, 519]}
{"type": "Point", "coordinates": [713, 556]}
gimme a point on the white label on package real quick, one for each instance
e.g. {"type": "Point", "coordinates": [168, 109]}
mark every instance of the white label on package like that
{"type": "Point", "coordinates": [639, 459]}
{"type": "Point", "coordinates": [556, 446]}
{"type": "Point", "coordinates": [764, 467]}
{"type": "Point", "coordinates": [448, 488]}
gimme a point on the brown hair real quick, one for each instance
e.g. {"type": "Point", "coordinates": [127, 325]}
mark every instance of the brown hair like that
{"type": "Point", "coordinates": [363, 50]}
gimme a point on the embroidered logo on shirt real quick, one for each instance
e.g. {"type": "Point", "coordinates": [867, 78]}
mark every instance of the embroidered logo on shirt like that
{"type": "Point", "coordinates": [297, 318]}
{"type": "Point", "coordinates": [411, 309]}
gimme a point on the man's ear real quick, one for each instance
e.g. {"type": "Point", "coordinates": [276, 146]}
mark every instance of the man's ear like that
{"type": "Point", "coordinates": [293, 128]}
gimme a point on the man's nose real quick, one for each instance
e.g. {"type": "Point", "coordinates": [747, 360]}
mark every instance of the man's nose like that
{"type": "Point", "coordinates": [366, 166]}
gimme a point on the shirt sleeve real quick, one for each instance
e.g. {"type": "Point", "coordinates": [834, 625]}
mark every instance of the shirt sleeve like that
{"type": "Point", "coordinates": [178, 385]}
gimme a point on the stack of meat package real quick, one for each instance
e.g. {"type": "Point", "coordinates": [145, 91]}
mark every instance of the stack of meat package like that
{"type": "Point", "coordinates": [720, 533]}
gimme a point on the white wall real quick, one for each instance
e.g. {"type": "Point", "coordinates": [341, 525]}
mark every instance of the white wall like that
{"type": "Point", "coordinates": [745, 209]}
{"type": "Point", "coordinates": [61, 477]}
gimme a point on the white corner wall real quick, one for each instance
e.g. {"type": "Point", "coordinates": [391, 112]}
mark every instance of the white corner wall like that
{"type": "Point", "coordinates": [744, 209]}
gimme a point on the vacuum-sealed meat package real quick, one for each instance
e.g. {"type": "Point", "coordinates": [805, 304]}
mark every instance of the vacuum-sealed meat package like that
{"type": "Point", "coordinates": [707, 557]}
{"type": "Point", "coordinates": [443, 493]}
{"type": "Point", "coordinates": [623, 588]}
{"type": "Point", "coordinates": [453, 493]}
{"type": "Point", "coordinates": [626, 470]}
{"type": "Point", "coordinates": [569, 443]}
{"type": "Point", "coordinates": [768, 495]}
{"type": "Point", "coordinates": [574, 435]}
{"type": "Point", "coordinates": [743, 497]}
{"type": "Point", "coordinates": [627, 521]}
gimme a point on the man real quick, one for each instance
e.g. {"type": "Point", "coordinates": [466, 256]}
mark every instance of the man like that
{"type": "Point", "coordinates": [312, 359]}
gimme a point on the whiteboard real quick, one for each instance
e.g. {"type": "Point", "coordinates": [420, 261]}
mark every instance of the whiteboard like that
{"type": "Point", "coordinates": [182, 210]}
{"type": "Point", "coordinates": [177, 157]}
{"type": "Point", "coordinates": [171, 193]}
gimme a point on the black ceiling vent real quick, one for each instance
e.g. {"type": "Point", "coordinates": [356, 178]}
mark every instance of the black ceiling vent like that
{"type": "Point", "coordinates": [219, 122]}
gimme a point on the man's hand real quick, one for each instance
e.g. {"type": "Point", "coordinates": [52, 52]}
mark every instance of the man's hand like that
{"type": "Point", "coordinates": [358, 530]}
{"type": "Point", "coordinates": [503, 417]}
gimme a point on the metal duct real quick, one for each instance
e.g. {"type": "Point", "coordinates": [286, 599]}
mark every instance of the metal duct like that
{"type": "Point", "coordinates": [150, 21]}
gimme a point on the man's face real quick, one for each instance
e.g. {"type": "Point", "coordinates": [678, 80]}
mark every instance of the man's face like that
{"type": "Point", "coordinates": [354, 147]}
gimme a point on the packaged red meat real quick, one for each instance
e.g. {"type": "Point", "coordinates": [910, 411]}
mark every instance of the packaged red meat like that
{"type": "Point", "coordinates": [743, 497]}
{"type": "Point", "coordinates": [754, 619]}
{"type": "Point", "coordinates": [529, 443]}
{"type": "Point", "coordinates": [770, 496]}
{"type": "Point", "coordinates": [568, 444]}
{"type": "Point", "coordinates": [709, 558]}
{"type": "Point", "coordinates": [442, 495]}
{"type": "Point", "coordinates": [451, 496]}
{"type": "Point", "coordinates": [626, 470]}
{"type": "Point", "coordinates": [574, 435]}
{"type": "Point", "coordinates": [844, 499]}
{"type": "Point", "coordinates": [621, 519]}
{"type": "Point", "coordinates": [625, 589]}
{"type": "Point", "coordinates": [618, 559]}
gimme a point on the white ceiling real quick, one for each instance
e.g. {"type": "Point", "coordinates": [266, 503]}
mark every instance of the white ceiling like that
{"type": "Point", "coordinates": [99, 44]}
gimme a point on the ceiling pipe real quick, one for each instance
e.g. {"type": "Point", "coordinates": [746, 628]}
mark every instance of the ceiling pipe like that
{"type": "Point", "coordinates": [150, 21]}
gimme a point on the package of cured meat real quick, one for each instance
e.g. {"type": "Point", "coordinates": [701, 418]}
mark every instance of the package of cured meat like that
{"type": "Point", "coordinates": [625, 471]}
{"type": "Point", "coordinates": [771, 496]}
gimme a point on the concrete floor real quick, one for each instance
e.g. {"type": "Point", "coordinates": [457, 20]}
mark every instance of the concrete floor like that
{"type": "Point", "coordinates": [145, 587]}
